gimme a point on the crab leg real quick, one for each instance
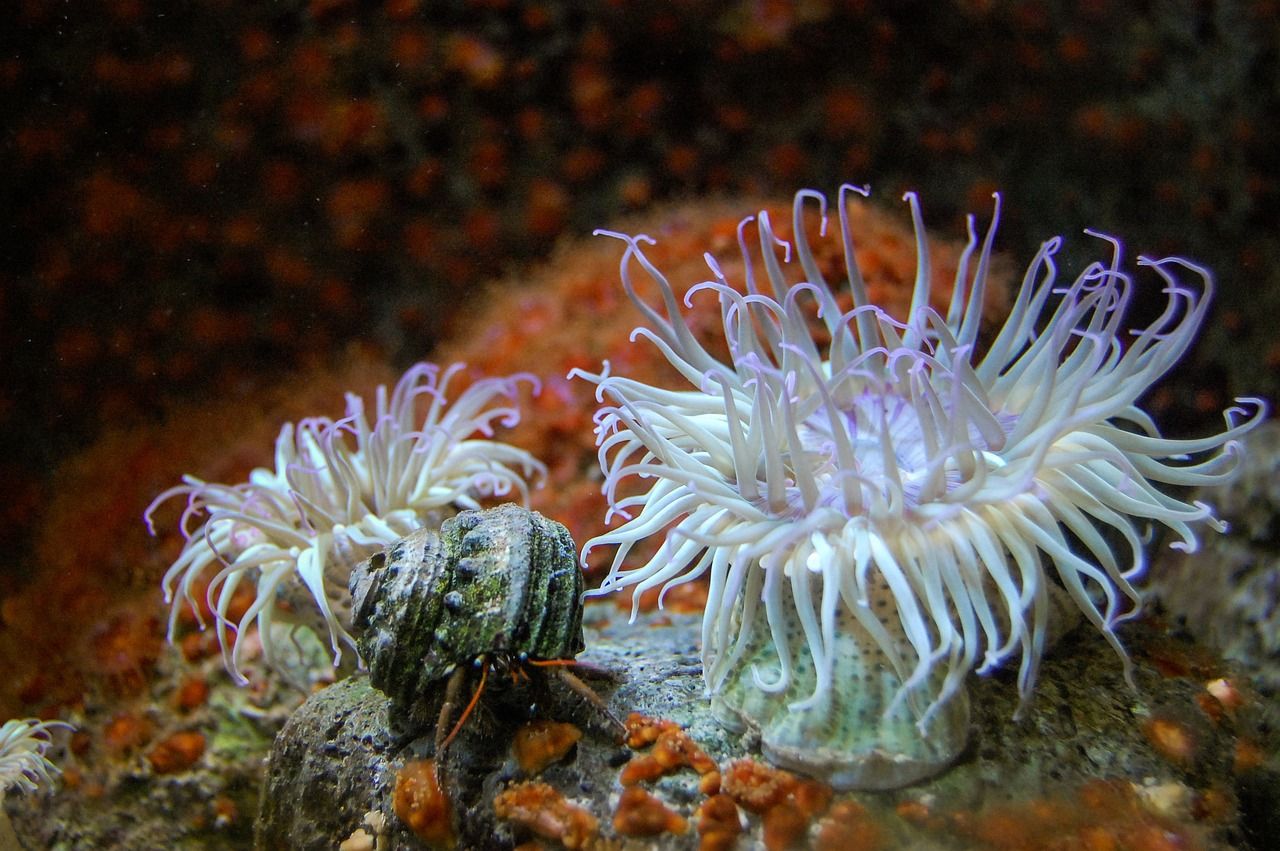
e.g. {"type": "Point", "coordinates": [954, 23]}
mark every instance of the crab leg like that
{"type": "Point", "coordinates": [587, 693]}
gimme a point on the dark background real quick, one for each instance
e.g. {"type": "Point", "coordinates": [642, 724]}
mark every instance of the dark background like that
{"type": "Point", "coordinates": [201, 197]}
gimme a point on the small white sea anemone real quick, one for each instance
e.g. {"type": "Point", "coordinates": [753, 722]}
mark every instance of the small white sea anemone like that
{"type": "Point", "coordinates": [23, 743]}
{"type": "Point", "coordinates": [341, 491]}
{"type": "Point", "coordinates": [886, 512]}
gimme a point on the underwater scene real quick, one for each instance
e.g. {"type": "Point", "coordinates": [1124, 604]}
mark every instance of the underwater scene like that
{"type": "Point", "coordinates": [483, 424]}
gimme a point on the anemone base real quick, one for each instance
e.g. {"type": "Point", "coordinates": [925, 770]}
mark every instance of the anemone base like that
{"type": "Point", "coordinates": [850, 738]}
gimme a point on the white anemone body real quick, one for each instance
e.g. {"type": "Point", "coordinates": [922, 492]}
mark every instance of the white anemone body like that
{"type": "Point", "coordinates": [339, 492]}
{"type": "Point", "coordinates": [894, 456]}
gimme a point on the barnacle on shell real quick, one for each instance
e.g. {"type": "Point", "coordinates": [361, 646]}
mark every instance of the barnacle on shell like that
{"type": "Point", "coordinates": [341, 490]}
{"type": "Point", "coordinates": [882, 507]}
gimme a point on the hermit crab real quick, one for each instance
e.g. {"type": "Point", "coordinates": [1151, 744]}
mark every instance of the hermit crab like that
{"type": "Point", "coordinates": [494, 590]}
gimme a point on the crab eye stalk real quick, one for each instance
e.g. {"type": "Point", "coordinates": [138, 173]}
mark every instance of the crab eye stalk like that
{"type": "Point", "coordinates": [879, 506]}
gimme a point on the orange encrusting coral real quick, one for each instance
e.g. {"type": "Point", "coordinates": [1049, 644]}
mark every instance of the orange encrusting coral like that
{"type": "Point", "coordinates": [755, 786]}
{"type": "Point", "coordinates": [642, 730]}
{"type": "Point", "coordinates": [797, 812]}
{"type": "Point", "coordinates": [673, 749]}
{"type": "Point", "coordinates": [543, 811]}
{"type": "Point", "coordinates": [128, 162]}
{"type": "Point", "coordinates": [786, 804]}
{"type": "Point", "coordinates": [1247, 756]}
{"type": "Point", "coordinates": [848, 825]}
{"type": "Point", "coordinates": [719, 823]}
{"type": "Point", "coordinates": [125, 649]}
{"type": "Point", "coordinates": [1098, 815]}
{"type": "Point", "coordinates": [542, 742]}
{"type": "Point", "coordinates": [419, 803]}
{"type": "Point", "coordinates": [192, 693]}
{"type": "Point", "coordinates": [177, 753]}
{"type": "Point", "coordinates": [639, 813]}
{"type": "Point", "coordinates": [126, 732]}
{"type": "Point", "coordinates": [1220, 699]}
{"type": "Point", "coordinates": [1172, 740]}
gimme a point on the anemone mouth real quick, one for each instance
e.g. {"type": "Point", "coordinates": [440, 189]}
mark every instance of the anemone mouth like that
{"type": "Point", "coordinates": [890, 449]}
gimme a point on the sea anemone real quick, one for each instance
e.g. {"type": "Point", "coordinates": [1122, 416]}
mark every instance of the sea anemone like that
{"type": "Point", "coordinates": [23, 744]}
{"type": "Point", "coordinates": [882, 507]}
{"type": "Point", "coordinates": [341, 491]}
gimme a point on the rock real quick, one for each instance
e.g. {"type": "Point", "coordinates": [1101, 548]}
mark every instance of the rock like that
{"type": "Point", "coordinates": [1228, 594]}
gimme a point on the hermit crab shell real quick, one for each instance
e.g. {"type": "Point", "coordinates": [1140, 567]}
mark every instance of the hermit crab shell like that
{"type": "Point", "coordinates": [500, 580]}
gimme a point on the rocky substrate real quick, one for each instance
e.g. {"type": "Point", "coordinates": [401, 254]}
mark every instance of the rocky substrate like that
{"type": "Point", "coordinates": [1187, 756]}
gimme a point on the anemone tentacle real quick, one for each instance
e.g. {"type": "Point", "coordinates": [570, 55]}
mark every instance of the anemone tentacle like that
{"type": "Point", "coordinates": [24, 743]}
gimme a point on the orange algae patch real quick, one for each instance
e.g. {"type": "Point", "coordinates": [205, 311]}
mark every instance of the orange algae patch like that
{"type": "Point", "coordinates": [421, 804]}
{"type": "Point", "coordinates": [786, 803]}
{"type": "Point", "coordinates": [916, 812]}
{"type": "Point", "coordinates": [542, 810]}
{"type": "Point", "coordinates": [1211, 707]}
{"type": "Point", "coordinates": [1213, 805]}
{"type": "Point", "coordinates": [719, 823]}
{"type": "Point", "coordinates": [1247, 756]}
{"type": "Point", "coordinates": [848, 825]}
{"type": "Point", "coordinates": [195, 646]}
{"type": "Point", "coordinates": [783, 827]}
{"type": "Point", "coordinates": [192, 693]}
{"type": "Point", "coordinates": [643, 730]}
{"type": "Point", "coordinates": [177, 753]}
{"type": "Point", "coordinates": [125, 732]}
{"type": "Point", "coordinates": [540, 743]}
{"type": "Point", "coordinates": [225, 810]}
{"type": "Point", "coordinates": [1171, 739]}
{"type": "Point", "coordinates": [125, 650]}
{"type": "Point", "coordinates": [639, 813]}
{"type": "Point", "coordinates": [1100, 815]}
{"type": "Point", "coordinates": [1179, 659]}
{"type": "Point", "coordinates": [72, 778]}
{"type": "Point", "coordinates": [673, 749]}
{"type": "Point", "coordinates": [755, 786]}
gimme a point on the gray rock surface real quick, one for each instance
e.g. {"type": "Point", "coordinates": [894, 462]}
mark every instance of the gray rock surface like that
{"type": "Point", "coordinates": [336, 742]}
{"type": "Point", "coordinates": [1228, 594]}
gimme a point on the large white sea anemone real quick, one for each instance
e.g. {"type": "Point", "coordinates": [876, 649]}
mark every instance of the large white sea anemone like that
{"type": "Point", "coordinates": [340, 491]}
{"type": "Point", "coordinates": [23, 744]}
{"type": "Point", "coordinates": [880, 514]}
